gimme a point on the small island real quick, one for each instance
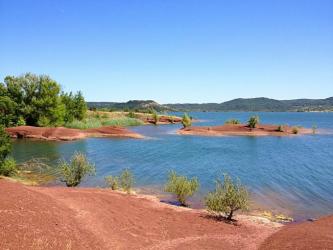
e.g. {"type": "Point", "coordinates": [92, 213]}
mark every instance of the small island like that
{"type": "Point", "coordinates": [252, 128]}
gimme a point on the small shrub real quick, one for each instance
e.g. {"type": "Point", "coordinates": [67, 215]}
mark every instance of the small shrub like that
{"type": "Point", "coordinates": [155, 118]}
{"type": "Point", "coordinates": [112, 182]}
{"type": "Point", "coordinates": [232, 121]}
{"type": "Point", "coordinates": [126, 180]}
{"type": "Point", "coordinates": [21, 121]}
{"type": "Point", "coordinates": [76, 169]}
{"type": "Point", "coordinates": [280, 128]}
{"type": "Point", "coordinates": [181, 186]}
{"type": "Point", "coordinates": [295, 130]}
{"type": "Point", "coordinates": [8, 167]}
{"type": "Point", "coordinates": [104, 116]}
{"type": "Point", "coordinates": [186, 121]}
{"type": "Point", "coordinates": [227, 198]}
{"type": "Point", "coordinates": [253, 121]}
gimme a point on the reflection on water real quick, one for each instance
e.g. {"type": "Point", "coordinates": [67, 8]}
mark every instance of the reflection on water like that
{"type": "Point", "coordinates": [293, 175]}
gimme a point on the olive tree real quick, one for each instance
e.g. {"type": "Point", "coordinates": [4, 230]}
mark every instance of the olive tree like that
{"type": "Point", "coordinates": [76, 169]}
{"type": "Point", "coordinates": [227, 198]}
{"type": "Point", "coordinates": [253, 121]}
{"type": "Point", "coordinates": [181, 186]}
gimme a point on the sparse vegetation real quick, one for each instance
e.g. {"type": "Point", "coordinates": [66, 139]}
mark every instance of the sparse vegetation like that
{"type": "Point", "coordinates": [295, 130]}
{"type": "Point", "coordinates": [96, 120]}
{"type": "Point", "coordinates": [186, 121]}
{"type": "Point", "coordinates": [227, 198]}
{"type": "Point", "coordinates": [253, 121]}
{"type": "Point", "coordinates": [181, 186]}
{"type": "Point", "coordinates": [280, 128]}
{"type": "Point", "coordinates": [126, 180]}
{"type": "Point", "coordinates": [76, 169]}
{"type": "Point", "coordinates": [8, 167]}
{"type": "Point", "coordinates": [112, 182]}
{"type": "Point", "coordinates": [155, 117]}
{"type": "Point", "coordinates": [232, 121]}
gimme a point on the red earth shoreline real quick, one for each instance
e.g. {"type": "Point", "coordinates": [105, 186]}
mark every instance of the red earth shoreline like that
{"type": "Point", "coordinates": [69, 134]}
{"type": "Point", "coordinates": [242, 130]}
{"type": "Point", "coordinates": [93, 218]}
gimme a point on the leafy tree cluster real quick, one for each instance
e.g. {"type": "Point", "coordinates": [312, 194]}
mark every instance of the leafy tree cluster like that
{"type": "Point", "coordinates": [37, 100]}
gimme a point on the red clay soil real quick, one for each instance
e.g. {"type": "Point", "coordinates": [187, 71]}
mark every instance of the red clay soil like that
{"type": "Point", "coordinates": [241, 129]}
{"type": "Point", "coordinates": [82, 218]}
{"type": "Point", "coordinates": [67, 134]}
{"type": "Point", "coordinates": [308, 235]}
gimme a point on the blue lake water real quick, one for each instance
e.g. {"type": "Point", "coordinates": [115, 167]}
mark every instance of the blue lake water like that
{"type": "Point", "coordinates": [292, 175]}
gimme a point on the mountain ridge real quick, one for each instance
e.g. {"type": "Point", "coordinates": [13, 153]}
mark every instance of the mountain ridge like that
{"type": "Point", "coordinates": [237, 105]}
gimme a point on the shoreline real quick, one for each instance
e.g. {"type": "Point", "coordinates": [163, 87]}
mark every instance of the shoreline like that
{"type": "Point", "coordinates": [244, 130]}
{"type": "Point", "coordinates": [76, 218]}
{"type": "Point", "coordinates": [69, 134]}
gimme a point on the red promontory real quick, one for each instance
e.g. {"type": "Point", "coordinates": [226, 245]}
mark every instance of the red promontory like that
{"type": "Point", "coordinates": [244, 130]}
{"type": "Point", "coordinates": [67, 134]}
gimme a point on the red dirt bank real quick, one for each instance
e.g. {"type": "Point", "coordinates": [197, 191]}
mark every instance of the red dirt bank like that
{"type": "Point", "coordinates": [81, 218]}
{"type": "Point", "coordinates": [67, 134]}
{"type": "Point", "coordinates": [241, 130]}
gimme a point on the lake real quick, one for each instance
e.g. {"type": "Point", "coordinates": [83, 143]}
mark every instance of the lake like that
{"type": "Point", "coordinates": [292, 175]}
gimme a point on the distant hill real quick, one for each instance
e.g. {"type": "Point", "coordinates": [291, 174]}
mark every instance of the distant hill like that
{"type": "Point", "coordinates": [130, 105]}
{"type": "Point", "coordinates": [240, 104]}
{"type": "Point", "coordinates": [260, 104]}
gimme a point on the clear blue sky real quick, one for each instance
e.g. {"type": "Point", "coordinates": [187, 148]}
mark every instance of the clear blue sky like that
{"type": "Point", "coordinates": [173, 50]}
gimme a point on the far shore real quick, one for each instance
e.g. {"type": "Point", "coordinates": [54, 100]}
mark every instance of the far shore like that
{"type": "Point", "coordinates": [244, 130]}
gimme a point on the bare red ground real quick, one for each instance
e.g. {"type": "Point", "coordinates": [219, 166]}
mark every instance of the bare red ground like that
{"type": "Point", "coordinates": [80, 218]}
{"type": "Point", "coordinates": [241, 129]}
{"type": "Point", "coordinates": [307, 235]}
{"type": "Point", "coordinates": [65, 134]}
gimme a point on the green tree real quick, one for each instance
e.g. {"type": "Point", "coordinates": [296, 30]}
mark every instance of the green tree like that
{"type": "Point", "coordinates": [227, 198]}
{"type": "Point", "coordinates": [253, 121]}
{"type": "Point", "coordinates": [186, 121]}
{"type": "Point", "coordinates": [181, 186]}
{"type": "Point", "coordinates": [76, 169]}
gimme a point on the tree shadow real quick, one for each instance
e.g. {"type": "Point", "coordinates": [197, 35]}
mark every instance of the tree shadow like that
{"type": "Point", "coordinates": [220, 219]}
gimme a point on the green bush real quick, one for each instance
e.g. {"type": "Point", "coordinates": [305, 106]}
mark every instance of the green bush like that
{"type": "Point", "coordinates": [155, 118]}
{"type": "Point", "coordinates": [280, 128]}
{"type": "Point", "coordinates": [20, 121]}
{"type": "Point", "coordinates": [227, 198]}
{"type": "Point", "coordinates": [8, 167]}
{"type": "Point", "coordinates": [76, 169]}
{"type": "Point", "coordinates": [232, 121]}
{"type": "Point", "coordinates": [112, 182]}
{"type": "Point", "coordinates": [294, 130]}
{"type": "Point", "coordinates": [5, 144]}
{"type": "Point", "coordinates": [253, 121]}
{"type": "Point", "coordinates": [186, 121]}
{"type": "Point", "coordinates": [181, 186]}
{"type": "Point", "coordinates": [126, 180]}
